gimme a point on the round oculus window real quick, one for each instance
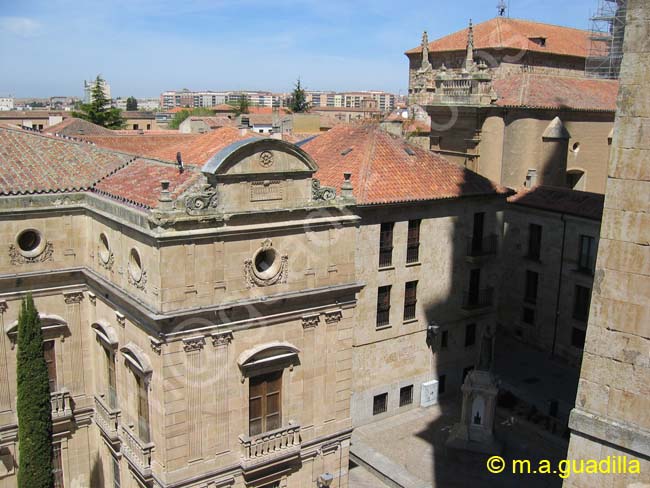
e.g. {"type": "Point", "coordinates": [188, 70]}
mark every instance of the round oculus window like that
{"type": "Point", "coordinates": [266, 263]}
{"type": "Point", "coordinates": [104, 248]}
{"type": "Point", "coordinates": [135, 265]}
{"type": "Point", "coordinates": [30, 242]}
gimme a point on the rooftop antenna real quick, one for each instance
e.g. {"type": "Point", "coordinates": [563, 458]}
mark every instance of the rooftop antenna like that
{"type": "Point", "coordinates": [502, 8]}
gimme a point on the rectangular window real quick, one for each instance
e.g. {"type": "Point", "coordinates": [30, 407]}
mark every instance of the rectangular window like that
{"type": "Point", "coordinates": [581, 303]}
{"type": "Point", "coordinates": [405, 395]}
{"type": "Point", "coordinates": [532, 279]}
{"type": "Point", "coordinates": [444, 339]}
{"type": "Point", "coordinates": [379, 403]}
{"type": "Point", "coordinates": [442, 380]}
{"type": "Point", "coordinates": [383, 306]}
{"type": "Point", "coordinates": [110, 378]}
{"type": "Point", "coordinates": [117, 483]}
{"type": "Point", "coordinates": [57, 465]}
{"type": "Point", "coordinates": [528, 315]}
{"type": "Point", "coordinates": [410, 299]}
{"type": "Point", "coordinates": [136, 126]}
{"type": "Point", "coordinates": [50, 360]}
{"type": "Point", "coordinates": [264, 403]}
{"type": "Point", "coordinates": [413, 244]}
{"type": "Point", "coordinates": [477, 233]}
{"type": "Point", "coordinates": [587, 254]}
{"type": "Point", "coordinates": [534, 241]}
{"type": "Point", "coordinates": [148, 126]}
{"type": "Point", "coordinates": [578, 338]}
{"type": "Point", "coordinates": [474, 287]}
{"type": "Point", "coordinates": [143, 409]}
{"type": "Point", "coordinates": [470, 335]}
{"type": "Point", "coordinates": [386, 244]}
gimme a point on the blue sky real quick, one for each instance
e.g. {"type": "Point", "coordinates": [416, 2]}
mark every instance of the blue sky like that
{"type": "Point", "coordinates": [143, 47]}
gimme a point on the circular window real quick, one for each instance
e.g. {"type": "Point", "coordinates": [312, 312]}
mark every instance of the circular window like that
{"type": "Point", "coordinates": [135, 265]}
{"type": "Point", "coordinates": [104, 248]}
{"type": "Point", "coordinates": [266, 263]}
{"type": "Point", "coordinates": [30, 242]}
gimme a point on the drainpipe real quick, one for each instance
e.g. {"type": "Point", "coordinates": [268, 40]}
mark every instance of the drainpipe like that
{"type": "Point", "coordinates": [559, 287]}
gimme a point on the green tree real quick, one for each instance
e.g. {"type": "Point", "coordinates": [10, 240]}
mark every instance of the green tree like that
{"type": "Point", "coordinates": [242, 105]}
{"type": "Point", "coordinates": [298, 102]}
{"type": "Point", "coordinates": [33, 407]}
{"type": "Point", "coordinates": [99, 110]}
{"type": "Point", "coordinates": [179, 117]}
{"type": "Point", "coordinates": [131, 103]}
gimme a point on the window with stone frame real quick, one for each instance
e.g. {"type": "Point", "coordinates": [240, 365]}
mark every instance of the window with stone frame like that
{"type": "Point", "coordinates": [265, 403]}
{"type": "Point", "coordinates": [49, 352]}
{"type": "Point", "coordinates": [530, 290]}
{"type": "Point", "coordinates": [410, 299]}
{"type": "Point", "coordinates": [383, 306]}
{"type": "Point", "coordinates": [534, 241]}
{"type": "Point", "coordinates": [379, 403]}
{"type": "Point", "coordinates": [111, 381]}
{"type": "Point", "coordinates": [405, 395]}
{"type": "Point", "coordinates": [413, 242]}
{"type": "Point", "coordinates": [587, 254]}
{"type": "Point", "coordinates": [143, 408]}
{"type": "Point", "coordinates": [581, 303]}
{"type": "Point", "coordinates": [386, 244]}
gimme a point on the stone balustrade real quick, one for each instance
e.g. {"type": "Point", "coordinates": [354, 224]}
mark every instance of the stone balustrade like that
{"type": "Point", "coordinates": [137, 452]}
{"type": "Point", "coordinates": [267, 446]}
{"type": "Point", "coordinates": [107, 418]}
{"type": "Point", "coordinates": [61, 405]}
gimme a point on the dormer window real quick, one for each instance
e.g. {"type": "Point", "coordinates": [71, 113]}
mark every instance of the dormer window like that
{"type": "Point", "coordinates": [540, 41]}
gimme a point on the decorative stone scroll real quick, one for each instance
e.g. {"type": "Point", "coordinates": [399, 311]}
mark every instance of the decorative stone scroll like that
{"type": "Point", "coordinates": [202, 202]}
{"type": "Point", "coordinates": [322, 193]}
{"type": "Point", "coordinates": [16, 257]}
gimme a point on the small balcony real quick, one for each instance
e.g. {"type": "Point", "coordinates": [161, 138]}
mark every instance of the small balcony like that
{"type": "Point", "coordinates": [61, 405]}
{"type": "Point", "coordinates": [478, 299]}
{"type": "Point", "coordinates": [270, 447]}
{"type": "Point", "coordinates": [136, 451]}
{"type": "Point", "coordinates": [479, 247]}
{"type": "Point", "coordinates": [107, 418]}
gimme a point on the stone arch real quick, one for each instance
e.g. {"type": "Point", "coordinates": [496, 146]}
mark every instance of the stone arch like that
{"type": "Point", "coordinates": [105, 333]}
{"type": "Point", "coordinates": [266, 357]}
{"type": "Point", "coordinates": [137, 359]}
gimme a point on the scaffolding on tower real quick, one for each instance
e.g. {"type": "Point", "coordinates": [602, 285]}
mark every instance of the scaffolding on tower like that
{"type": "Point", "coordinates": [606, 40]}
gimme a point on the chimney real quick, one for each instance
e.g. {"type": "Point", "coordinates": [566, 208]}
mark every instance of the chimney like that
{"type": "Point", "coordinates": [179, 161]}
{"type": "Point", "coordinates": [346, 187]}
{"type": "Point", "coordinates": [165, 198]}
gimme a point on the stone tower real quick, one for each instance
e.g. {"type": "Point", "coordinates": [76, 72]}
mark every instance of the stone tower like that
{"type": "Point", "coordinates": [612, 412]}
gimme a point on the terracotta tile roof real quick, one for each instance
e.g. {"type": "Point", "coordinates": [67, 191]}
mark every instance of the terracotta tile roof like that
{"type": "Point", "coordinates": [222, 107]}
{"type": "Point", "coordinates": [141, 144]}
{"type": "Point", "coordinates": [533, 90]}
{"type": "Point", "coordinates": [384, 172]}
{"type": "Point", "coordinates": [39, 163]}
{"type": "Point", "coordinates": [177, 109]}
{"type": "Point", "coordinates": [267, 110]}
{"type": "Point", "coordinates": [139, 183]}
{"type": "Point", "coordinates": [75, 127]}
{"type": "Point", "coordinates": [216, 121]}
{"type": "Point", "coordinates": [561, 200]}
{"type": "Point", "coordinates": [500, 32]}
{"type": "Point", "coordinates": [138, 114]}
{"type": "Point", "coordinates": [150, 132]}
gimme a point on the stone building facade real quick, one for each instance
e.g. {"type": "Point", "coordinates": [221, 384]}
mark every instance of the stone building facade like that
{"type": "Point", "coordinates": [492, 91]}
{"type": "Point", "coordinates": [551, 238]}
{"type": "Point", "coordinates": [610, 417]}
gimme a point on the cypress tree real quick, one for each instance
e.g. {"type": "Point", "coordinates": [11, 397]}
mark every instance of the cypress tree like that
{"type": "Point", "coordinates": [99, 110]}
{"type": "Point", "coordinates": [34, 407]}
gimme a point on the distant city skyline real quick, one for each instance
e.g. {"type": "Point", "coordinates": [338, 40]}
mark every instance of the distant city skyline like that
{"type": "Point", "coordinates": [144, 48]}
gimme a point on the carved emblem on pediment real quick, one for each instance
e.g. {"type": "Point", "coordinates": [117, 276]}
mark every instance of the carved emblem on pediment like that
{"type": "Point", "coordinates": [203, 201]}
{"type": "Point", "coordinates": [322, 193]}
{"type": "Point", "coordinates": [266, 159]}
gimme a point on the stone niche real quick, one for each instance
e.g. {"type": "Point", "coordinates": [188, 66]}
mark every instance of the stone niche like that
{"type": "Point", "coordinates": [261, 174]}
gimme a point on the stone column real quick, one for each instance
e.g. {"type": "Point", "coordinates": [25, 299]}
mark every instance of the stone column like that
{"type": "Point", "coordinates": [5, 391]}
{"type": "Point", "coordinates": [193, 347]}
{"type": "Point", "coordinates": [221, 340]}
{"type": "Point", "coordinates": [309, 324]}
{"type": "Point", "coordinates": [75, 354]}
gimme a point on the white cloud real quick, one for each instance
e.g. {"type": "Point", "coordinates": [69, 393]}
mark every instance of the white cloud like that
{"type": "Point", "coordinates": [20, 26]}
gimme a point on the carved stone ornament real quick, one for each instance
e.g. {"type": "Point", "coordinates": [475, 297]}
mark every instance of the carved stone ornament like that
{"type": "Point", "coordinates": [222, 338]}
{"type": "Point", "coordinates": [121, 319]}
{"type": "Point", "coordinates": [322, 193]}
{"type": "Point", "coordinates": [139, 284]}
{"type": "Point", "coordinates": [3, 306]}
{"type": "Point", "coordinates": [156, 344]}
{"type": "Point", "coordinates": [108, 264]}
{"type": "Point", "coordinates": [204, 201]}
{"type": "Point", "coordinates": [333, 316]}
{"type": "Point", "coordinates": [310, 321]}
{"type": "Point", "coordinates": [252, 279]}
{"type": "Point", "coordinates": [74, 297]}
{"type": "Point", "coordinates": [17, 257]}
{"type": "Point", "coordinates": [266, 159]}
{"type": "Point", "coordinates": [193, 343]}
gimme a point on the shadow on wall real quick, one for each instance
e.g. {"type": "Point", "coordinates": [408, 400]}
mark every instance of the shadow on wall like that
{"type": "Point", "coordinates": [97, 473]}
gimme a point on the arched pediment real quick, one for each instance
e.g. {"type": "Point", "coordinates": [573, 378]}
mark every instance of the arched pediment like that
{"type": "Point", "coordinates": [49, 323]}
{"type": "Point", "coordinates": [137, 358]}
{"type": "Point", "coordinates": [258, 156]}
{"type": "Point", "coordinates": [105, 333]}
{"type": "Point", "coordinates": [271, 355]}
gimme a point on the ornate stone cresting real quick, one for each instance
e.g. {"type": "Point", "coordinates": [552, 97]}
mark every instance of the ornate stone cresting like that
{"type": "Point", "coordinates": [202, 202]}
{"type": "Point", "coordinates": [16, 257]}
{"type": "Point", "coordinates": [469, 58]}
{"type": "Point", "coordinates": [310, 321]}
{"type": "Point", "coordinates": [193, 343]}
{"type": "Point", "coordinates": [322, 193]}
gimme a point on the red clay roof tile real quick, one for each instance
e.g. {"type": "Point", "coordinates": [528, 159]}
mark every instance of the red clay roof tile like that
{"type": "Point", "coordinates": [562, 200]}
